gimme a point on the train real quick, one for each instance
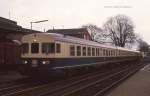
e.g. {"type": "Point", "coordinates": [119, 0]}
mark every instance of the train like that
{"type": "Point", "coordinates": [53, 53]}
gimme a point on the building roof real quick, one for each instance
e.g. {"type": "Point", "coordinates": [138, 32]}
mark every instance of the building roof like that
{"type": "Point", "coordinates": [10, 26]}
{"type": "Point", "coordinates": [68, 31]}
{"type": "Point", "coordinates": [8, 21]}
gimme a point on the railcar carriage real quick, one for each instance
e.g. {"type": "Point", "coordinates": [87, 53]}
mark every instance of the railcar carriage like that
{"type": "Point", "coordinates": [51, 52]}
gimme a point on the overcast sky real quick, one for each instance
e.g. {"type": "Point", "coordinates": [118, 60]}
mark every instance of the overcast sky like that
{"type": "Point", "coordinates": [75, 13]}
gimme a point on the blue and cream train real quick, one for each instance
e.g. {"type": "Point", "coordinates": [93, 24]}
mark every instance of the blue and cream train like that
{"type": "Point", "coordinates": [51, 52]}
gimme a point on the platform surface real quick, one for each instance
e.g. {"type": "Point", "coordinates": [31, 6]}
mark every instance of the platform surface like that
{"type": "Point", "coordinates": [136, 85]}
{"type": "Point", "coordinates": [9, 76]}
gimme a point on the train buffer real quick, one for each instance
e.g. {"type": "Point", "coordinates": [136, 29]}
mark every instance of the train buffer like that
{"type": "Point", "coordinates": [136, 85]}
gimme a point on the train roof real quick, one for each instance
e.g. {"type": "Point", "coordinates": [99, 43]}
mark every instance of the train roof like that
{"type": "Point", "coordinates": [70, 39]}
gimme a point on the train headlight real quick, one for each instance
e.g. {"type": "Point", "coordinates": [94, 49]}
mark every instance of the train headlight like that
{"type": "Point", "coordinates": [34, 40]}
{"type": "Point", "coordinates": [45, 62]}
{"type": "Point", "coordinates": [25, 62]}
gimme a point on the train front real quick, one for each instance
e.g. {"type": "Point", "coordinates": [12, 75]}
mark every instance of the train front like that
{"type": "Point", "coordinates": [38, 51]}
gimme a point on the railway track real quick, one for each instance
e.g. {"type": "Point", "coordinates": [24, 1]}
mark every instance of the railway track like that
{"type": "Point", "coordinates": [100, 86]}
{"type": "Point", "coordinates": [20, 84]}
{"type": "Point", "coordinates": [55, 85]}
{"type": "Point", "coordinates": [91, 84]}
{"type": "Point", "coordinates": [24, 84]}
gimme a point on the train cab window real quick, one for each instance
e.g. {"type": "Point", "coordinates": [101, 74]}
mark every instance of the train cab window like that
{"type": "Point", "coordinates": [84, 51]}
{"type": "Point", "coordinates": [78, 50]}
{"type": "Point", "coordinates": [25, 48]}
{"type": "Point", "coordinates": [72, 50]}
{"type": "Point", "coordinates": [89, 51]}
{"type": "Point", "coordinates": [57, 48]}
{"type": "Point", "coordinates": [48, 47]}
{"type": "Point", "coordinates": [52, 47]}
{"type": "Point", "coordinates": [35, 48]}
{"type": "Point", "coordinates": [93, 51]}
{"type": "Point", "coordinates": [45, 47]}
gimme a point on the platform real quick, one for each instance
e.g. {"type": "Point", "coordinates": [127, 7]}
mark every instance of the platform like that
{"type": "Point", "coordinates": [9, 76]}
{"type": "Point", "coordinates": [136, 85]}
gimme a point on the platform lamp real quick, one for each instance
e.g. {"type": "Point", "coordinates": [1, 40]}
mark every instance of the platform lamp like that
{"type": "Point", "coordinates": [37, 22]}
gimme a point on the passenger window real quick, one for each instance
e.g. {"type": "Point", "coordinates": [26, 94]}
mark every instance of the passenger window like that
{"type": "Point", "coordinates": [103, 52]}
{"type": "Point", "coordinates": [89, 51]}
{"type": "Point", "coordinates": [106, 52]}
{"type": "Point", "coordinates": [72, 50]}
{"type": "Point", "coordinates": [119, 52]}
{"type": "Point", "coordinates": [35, 48]}
{"type": "Point", "coordinates": [109, 52]}
{"type": "Point", "coordinates": [25, 48]}
{"type": "Point", "coordinates": [113, 53]}
{"type": "Point", "coordinates": [97, 52]}
{"type": "Point", "coordinates": [100, 51]}
{"type": "Point", "coordinates": [93, 51]}
{"type": "Point", "coordinates": [78, 50]}
{"type": "Point", "coordinates": [84, 51]}
{"type": "Point", "coordinates": [57, 48]}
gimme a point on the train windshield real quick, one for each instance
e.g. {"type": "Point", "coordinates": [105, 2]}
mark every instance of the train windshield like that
{"type": "Point", "coordinates": [35, 48]}
{"type": "Point", "coordinates": [25, 48]}
{"type": "Point", "coordinates": [48, 48]}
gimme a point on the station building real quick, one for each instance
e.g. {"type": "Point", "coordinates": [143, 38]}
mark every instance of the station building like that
{"type": "Point", "coordinates": [76, 32]}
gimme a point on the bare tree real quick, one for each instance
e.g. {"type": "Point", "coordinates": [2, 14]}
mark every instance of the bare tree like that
{"type": "Point", "coordinates": [120, 30]}
{"type": "Point", "coordinates": [143, 46]}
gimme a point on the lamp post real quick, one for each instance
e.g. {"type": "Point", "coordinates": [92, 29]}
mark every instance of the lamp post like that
{"type": "Point", "coordinates": [37, 22]}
